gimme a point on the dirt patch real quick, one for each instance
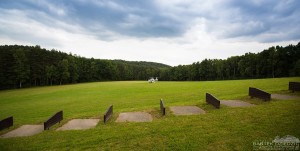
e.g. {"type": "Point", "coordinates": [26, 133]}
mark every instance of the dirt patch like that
{"type": "Point", "coordinates": [25, 130]}
{"type": "Point", "coordinates": [235, 103]}
{"type": "Point", "coordinates": [134, 117]}
{"type": "Point", "coordinates": [284, 97]}
{"type": "Point", "coordinates": [79, 124]}
{"type": "Point", "coordinates": [186, 110]}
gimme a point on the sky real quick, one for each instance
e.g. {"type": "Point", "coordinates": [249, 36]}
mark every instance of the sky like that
{"type": "Point", "coordinates": [172, 32]}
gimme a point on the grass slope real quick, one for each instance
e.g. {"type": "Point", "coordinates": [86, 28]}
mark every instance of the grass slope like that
{"type": "Point", "coordinates": [223, 129]}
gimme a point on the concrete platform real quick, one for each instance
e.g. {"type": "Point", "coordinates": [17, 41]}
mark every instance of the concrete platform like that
{"type": "Point", "coordinates": [235, 103]}
{"type": "Point", "coordinates": [25, 130]}
{"type": "Point", "coordinates": [284, 97]}
{"type": "Point", "coordinates": [134, 117]}
{"type": "Point", "coordinates": [186, 110]}
{"type": "Point", "coordinates": [79, 124]}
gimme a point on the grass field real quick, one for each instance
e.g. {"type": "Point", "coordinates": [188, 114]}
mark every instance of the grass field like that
{"type": "Point", "coordinates": [219, 129]}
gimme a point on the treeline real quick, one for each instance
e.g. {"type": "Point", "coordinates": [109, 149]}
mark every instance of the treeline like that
{"type": "Point", "coordinates": [273, 62]}
{"type": "Point", "coordinates": [26, 66]}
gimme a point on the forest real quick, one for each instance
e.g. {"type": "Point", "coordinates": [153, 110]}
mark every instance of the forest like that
{"type": "Point", "coordinates": [270, 63]}
{"type": "Point", "coordinates": [28, 66]}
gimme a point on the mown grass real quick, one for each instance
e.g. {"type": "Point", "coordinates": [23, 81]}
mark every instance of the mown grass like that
{"type": "Point", "coordinates": [224, 129]}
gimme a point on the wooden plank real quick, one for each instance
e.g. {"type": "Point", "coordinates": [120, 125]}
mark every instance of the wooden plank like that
{"type": "Point", "coordinates": [210, 99]}
{"type": "Point", "coordinates": [56, 118]}
{"type": "Point", "coordinates": [254, 92]}
{"type": "Point", "coordinates": [162, 107]}
{"type": "Point", "coordinates": [108, 114]}
{"type": "Point", "coordinates": [6, 123]}
{"type": "Point", "coordinates": [294, 86]}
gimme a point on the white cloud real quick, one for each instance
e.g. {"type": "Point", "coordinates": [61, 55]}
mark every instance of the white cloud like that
{"type": "Point", "coordinates": [133, 20]}
{"type": "Point", "coordinates": [209, 31]}
{"type": "Point", "coordinates": [109, 4]}
{"type": "Point", "coordinates": [53, 8]}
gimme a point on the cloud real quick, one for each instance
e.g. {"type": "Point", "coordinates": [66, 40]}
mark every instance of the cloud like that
{"type": "Point", "coordinates": [129, 18]}
{"type": "Point", "coordinates": [172, 32]}
{"type": "Point", "coordinates": [255, 20]}
{"type": "Point", "coordinates": [162, 18]}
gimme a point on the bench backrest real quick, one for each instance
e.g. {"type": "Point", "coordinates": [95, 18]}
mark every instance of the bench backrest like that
{"type": "Point", "coordinates": [162, 107]}
{"type": "Point", "coordinates": [108, 114]}
{"type": "Point", "coordinates": [6, 123]}
{"type": "Point", "coordinates": [56, 118]}
{"type": "Point", "coordinates": [294, 86]}
{"type": "Point", "coordinates": [210, 99]}
{"type": "Point", "coordinates": [254, 92]}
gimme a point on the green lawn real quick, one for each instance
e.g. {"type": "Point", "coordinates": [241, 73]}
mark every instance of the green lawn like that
{"type": "Point", "coordinates": [219, 129]}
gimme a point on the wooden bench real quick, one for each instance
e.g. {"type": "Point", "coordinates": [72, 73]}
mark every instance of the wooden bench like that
{"type": "Point", "coordinates": [210, 99]}
{"type": "Point", "coordinates": [254, 92]}
{"type": "Point", "coordinates": [162, 107]}
{"type": "Point", "coordinates": [294, 86]}
{"type": "Point", "coordinates": [56, 118]}
{"type": "Point", "coordinates": [108, 114]}
{"type": "Point", "coordinates": [6, 123]}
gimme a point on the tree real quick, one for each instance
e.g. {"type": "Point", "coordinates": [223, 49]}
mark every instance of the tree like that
{"type": "Point", "coordinates": [63, 71]}
{"type": "Point", "coordinates": [73, 69]}
{"type": "Point", "coordinates": [7, 74]}
{"type": "Point", "coordinates": [50, 73]}
{"type": "Point", "coordinates": [297, 68]}
{"type": "Point", "coordinates": [219, 68]}
{"type": "Point", "coordinates": [204, 69]}
{"type": "Point", "coordinates": [32, 65]}
{"type": "Point", "coordinates": [93, 70]}
{"type": "Point", "coordinates": [247, 65]}
{"type": "Point", "coordinates": [21, 68]}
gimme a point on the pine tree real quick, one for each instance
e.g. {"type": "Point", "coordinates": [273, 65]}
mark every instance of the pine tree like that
{"type": "Point", "coordinates": [21, 68]}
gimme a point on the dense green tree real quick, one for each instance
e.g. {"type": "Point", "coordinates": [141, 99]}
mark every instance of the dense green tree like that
{"type": "Point", "coordinates": [25, 66]}
{"type": "Point", "coordinates": [273, 62]}
{"type": "Point", "coordinates": [297, 68]}
{"type": "Point", "coordinates": [63, 71]}
{"type": "Point", "coordinates": [73, 69]}
{"type": "Point", "coordinates": [247, 65]}
{"type": "Point", "coordinates": [7, 75]}
{"type": "Point", "coordinates": [220, 69]}
{"type": "Point", "coordinates": [50, 73]}
{"type": "Point", "coordinates": [21, 68]}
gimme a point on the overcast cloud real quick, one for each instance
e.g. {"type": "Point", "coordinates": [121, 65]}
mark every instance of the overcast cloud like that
{"type": "Point", "coordinates": [167, 31]}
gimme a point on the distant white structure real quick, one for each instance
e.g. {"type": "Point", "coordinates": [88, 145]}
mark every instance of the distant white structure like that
{"type": "Point", "coordinates": [152, 80]}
